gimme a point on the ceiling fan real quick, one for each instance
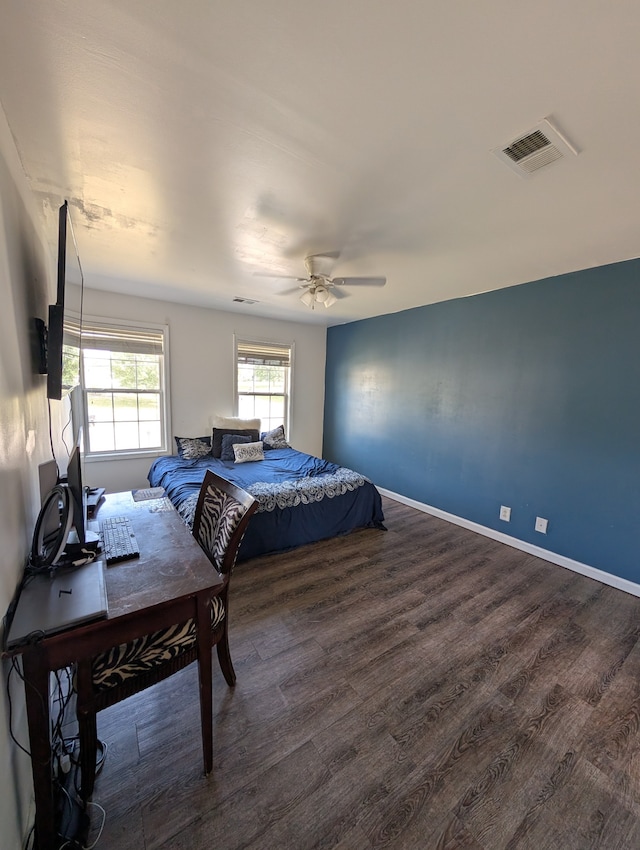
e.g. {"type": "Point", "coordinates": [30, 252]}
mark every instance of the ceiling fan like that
{"type": "Point", "coordinates": [319, 287]}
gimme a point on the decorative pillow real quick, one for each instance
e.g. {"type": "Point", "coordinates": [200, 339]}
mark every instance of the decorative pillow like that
{"type": "Point", "coordinates": [245, 452]}
{"type": "Point", "coordinates": [218, 434]}
{"type": "Point", "coordinates": [235, 422]}
{"type": "Point", "coordinates": [229, 441]}
{"type": "Point", "coordinates": [191, 448]}
{"type": "Point", "coordinates": [275, 439]}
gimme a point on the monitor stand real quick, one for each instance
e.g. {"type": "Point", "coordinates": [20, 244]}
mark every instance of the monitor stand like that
{"type": "Point", "coordinates": [94, 496]}
{"type": "Point", "coordinates": [78, 553]}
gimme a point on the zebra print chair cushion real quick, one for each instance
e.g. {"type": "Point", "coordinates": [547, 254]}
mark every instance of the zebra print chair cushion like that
{"type": "Point", "coordinates": [142, 655]}
{"type": "Point", "coordinates": [219, 518]}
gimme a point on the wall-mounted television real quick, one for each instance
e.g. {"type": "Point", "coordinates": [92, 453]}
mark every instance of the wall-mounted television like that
{"type": "Point", "coordinates": [65, 316]}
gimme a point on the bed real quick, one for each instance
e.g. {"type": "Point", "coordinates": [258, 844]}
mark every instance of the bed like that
{"type": "Point", "coordinates": [302, 498]}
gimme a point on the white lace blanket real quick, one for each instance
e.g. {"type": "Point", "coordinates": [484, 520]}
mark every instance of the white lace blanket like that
{"type": "Point", "coordinates": [288, 494]}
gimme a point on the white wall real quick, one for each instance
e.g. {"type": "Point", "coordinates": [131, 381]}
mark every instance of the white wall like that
{"type": "Point", "coordinates": [26, 288]}
{"type": "Point", "coordinates": [201, 373]}
{"type": "Point", "coordinates": [201, 377]}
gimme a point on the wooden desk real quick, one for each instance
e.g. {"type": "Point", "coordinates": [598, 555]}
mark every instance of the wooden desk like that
{"type": "Point", "coordinates": [171, 581]}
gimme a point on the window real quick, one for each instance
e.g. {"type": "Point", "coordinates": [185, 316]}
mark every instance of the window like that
{"type": "Point", "coordinates": [70, 353]}
{"type": "Point", "coordinates": [125, 393]}
{"type": "Point", "coordinates": [263, 379]}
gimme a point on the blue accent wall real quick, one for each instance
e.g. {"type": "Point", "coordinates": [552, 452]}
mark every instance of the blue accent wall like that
{"type": "Point", "coordinates": [527, 397]}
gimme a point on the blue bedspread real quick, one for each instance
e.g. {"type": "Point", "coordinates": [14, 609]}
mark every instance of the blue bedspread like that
{"type": "Point", "coordinates": [301, 498]}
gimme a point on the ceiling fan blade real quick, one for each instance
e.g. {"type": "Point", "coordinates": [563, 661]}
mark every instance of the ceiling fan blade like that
{"type": "Point", "coordinates": [339, 293]}
{"type": "Point", "coordinates": [276, 276]}
{"type": "Point", "coordinates": [290, 290]}
{"type": "Point", "coordinates": [359, 281]}
{"type": "Point", "coordinates": [321, 264]}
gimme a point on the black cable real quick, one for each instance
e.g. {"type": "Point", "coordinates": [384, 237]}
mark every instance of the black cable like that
{"type": "Point", "coordinates": [14, 666]}
{"type": "Point", "coordinates": [59, 700]}
{"type": "Point", "coordinates": [67, 425]}
{"type": "Point", "coordinates": [31, 837]}
{"type": "Point", "coordinates": [47, 547]}
{"type": "Point", "coordinates": [53, 453]}
{"type": "Point", "coordinates": [63, 698]}
{"type": "Point", "coordinates": [63, 695]}
{"type": "Point", "coordinates": [11, 610]}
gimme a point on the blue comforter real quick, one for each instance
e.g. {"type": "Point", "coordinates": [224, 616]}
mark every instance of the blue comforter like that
{"type": "Point", "coordinates": [301, 498]}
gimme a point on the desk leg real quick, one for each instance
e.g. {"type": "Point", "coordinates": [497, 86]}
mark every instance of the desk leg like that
{"type": "Point", "coordinates": [36, 683]}
{"type": "Point", "coordinates": [205, 678]}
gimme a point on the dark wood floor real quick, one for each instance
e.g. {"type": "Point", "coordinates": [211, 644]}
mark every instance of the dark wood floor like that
{"type": "Point", "coordinates": [421, 688]}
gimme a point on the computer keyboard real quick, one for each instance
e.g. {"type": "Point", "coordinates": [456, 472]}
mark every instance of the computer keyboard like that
{"type": "Point", "coordinates": [118, 540]}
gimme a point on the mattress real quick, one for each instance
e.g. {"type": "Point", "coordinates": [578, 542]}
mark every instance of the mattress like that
{"type": "Point", "coordinates": [301, 498]}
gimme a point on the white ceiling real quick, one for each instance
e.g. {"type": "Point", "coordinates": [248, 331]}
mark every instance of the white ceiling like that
{"type": "Point", "coordinates": [200, 142]}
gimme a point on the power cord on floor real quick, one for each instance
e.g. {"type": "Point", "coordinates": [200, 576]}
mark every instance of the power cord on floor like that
{"type": "Point", "coordinates": [65, 765]}
{"type": "Point", "coordinates": [75, 843]}
{"type": "Point", "coordinates": [104, 818]}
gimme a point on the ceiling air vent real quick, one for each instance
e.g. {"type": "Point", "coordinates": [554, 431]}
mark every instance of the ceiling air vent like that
{"type": "Point", "coordinates": [541, 146]}
{"type": "Point", "coordinates": [238, 300]}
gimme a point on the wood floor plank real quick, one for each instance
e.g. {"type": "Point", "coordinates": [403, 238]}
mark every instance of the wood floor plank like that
{"type": "Point", "coordinates": [518, 774]}
{"type": "Point", "coordinates": [408, 816]}
{"type": "Point", "coordinates": [453, 835]}
{"type": "Point", "coordinates": [579, 813]}
{"type": "Point", "coordinates": [610, 742]}
{"type": "Point", "coordinates": [235, 821]}
{"type": "Point", "coordinates": [337, 807]}
{"type": "Point", "coordinates": [420, 688]}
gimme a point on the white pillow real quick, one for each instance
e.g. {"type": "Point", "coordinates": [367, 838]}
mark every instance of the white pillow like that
{"type": "Point", "coordinates": [245, 452]}
{"type": "Point", "coordinates": [236, 423]}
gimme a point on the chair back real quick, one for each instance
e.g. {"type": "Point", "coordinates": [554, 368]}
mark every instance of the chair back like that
{"type": "Point", "coordinates": [222, 514]}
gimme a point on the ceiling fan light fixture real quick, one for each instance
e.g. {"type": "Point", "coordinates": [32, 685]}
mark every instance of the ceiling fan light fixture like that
{"type": "Point", "coordinates": [308, 298]}
{"type": "Point", "coordinates": [322, 293]}
{"type": "Point", "coordinates": [320, 287]}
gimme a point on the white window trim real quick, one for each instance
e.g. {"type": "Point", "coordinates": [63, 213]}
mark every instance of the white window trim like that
{"type": "Point", "coordinates": [130, 454]}
{"type": "Point", "coordinates": [288, 413]}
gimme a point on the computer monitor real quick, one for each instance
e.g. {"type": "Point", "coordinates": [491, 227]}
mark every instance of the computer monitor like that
{"type": "Point", "coordinates": [82, 536]}
{"type": "Point", "coordinates": [78, 495]}
{"type": "Point", "coordinates": [54, 520]}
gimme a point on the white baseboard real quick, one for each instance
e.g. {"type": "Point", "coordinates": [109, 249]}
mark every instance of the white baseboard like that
{"type": "Point", "coordinates": [568, 563]}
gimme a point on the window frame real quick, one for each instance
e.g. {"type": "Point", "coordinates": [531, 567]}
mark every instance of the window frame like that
{"type": "Point", "coordinates": [107, 324]}
{"type": "Point", "coordinates": [238, 340]}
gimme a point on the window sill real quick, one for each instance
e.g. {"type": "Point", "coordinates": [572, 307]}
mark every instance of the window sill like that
{"type": "Point", "coordinates": [125, 455]}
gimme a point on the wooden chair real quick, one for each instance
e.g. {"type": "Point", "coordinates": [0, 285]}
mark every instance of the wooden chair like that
{"type": "Point", "coordinates": [221, 518]}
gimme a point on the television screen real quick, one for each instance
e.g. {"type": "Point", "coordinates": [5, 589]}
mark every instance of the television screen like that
{"type": "Point", "coordinates": [65, 316]}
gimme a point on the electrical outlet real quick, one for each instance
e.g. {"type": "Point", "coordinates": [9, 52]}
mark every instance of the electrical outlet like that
{"type": "Point", "coordinates": [541, 524]}
{"type": "Point", "coordinates": [505, 513]}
